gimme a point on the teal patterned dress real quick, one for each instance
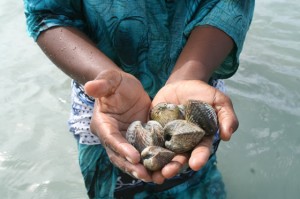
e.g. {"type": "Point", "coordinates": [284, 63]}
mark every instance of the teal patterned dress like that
{"type": "Point", "coordinates": [144, 38]}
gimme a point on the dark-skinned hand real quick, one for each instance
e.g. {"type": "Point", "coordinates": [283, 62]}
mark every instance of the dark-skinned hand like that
{"type": "Point", "coordinates": [178, 93]}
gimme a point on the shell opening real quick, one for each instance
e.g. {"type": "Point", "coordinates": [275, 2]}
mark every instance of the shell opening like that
{"type": "Point", "coordinates": [168, 137]}
{"type": "Point", "coordinates": [148, 156]}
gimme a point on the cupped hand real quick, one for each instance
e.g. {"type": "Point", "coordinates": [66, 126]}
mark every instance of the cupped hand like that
{"type": "Point", "coordinates": [179, 93]}
{"type": "Point", "coordinates": [119, 100]}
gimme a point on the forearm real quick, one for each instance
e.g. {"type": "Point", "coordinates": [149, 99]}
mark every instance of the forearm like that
{"type": "Point", "coordinates": [74, 53]}
{"type": "Point", "coordinates": [205, 50]}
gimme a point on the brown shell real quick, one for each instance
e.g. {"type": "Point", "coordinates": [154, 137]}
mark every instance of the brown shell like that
{"type": "Point", "coordinates": [142, 136]}
{"type": "Point", "coordinates": [165, 112]}
{"type": "Point", "coordinates": [178, 128]}
{"type": "Point", "coordinates": [154, 157]}
{"type": "Point", "coordinates": [182, 136]}
{"type": "Point", "coordinates": [203, 115]}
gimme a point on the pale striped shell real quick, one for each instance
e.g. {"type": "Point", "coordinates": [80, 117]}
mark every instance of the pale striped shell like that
{"type": "Point", "coordinates": [142, 136]}
{"type": "Point", "coordinates": [164, 113]}
{"type": "Point", "coordinates": [182, 136]}
{"type": "Point", "coordinates": [155, 157]}
{"type": "Point", "coordinates": [179, 128]}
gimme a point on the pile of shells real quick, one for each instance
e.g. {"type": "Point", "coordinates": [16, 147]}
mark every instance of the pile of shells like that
{"type": "Point", "coordinates": [172, 129]}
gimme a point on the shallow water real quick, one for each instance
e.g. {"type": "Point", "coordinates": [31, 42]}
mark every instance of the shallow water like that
{"type": "Point", "coordinates": [38, 157]}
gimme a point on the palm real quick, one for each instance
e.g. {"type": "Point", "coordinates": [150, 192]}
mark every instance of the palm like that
{"type": "Point", "coordinates": [120, 100]}
{"type": "Point", "coordinates": [179, 93]}
{"type": "Point", "coordinates": [128, 103]}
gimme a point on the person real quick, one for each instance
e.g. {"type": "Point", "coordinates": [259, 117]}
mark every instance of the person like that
{"type": "Point", "coordinates": [127, 56]}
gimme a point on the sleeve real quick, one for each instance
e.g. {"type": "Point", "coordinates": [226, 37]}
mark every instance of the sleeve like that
{"type": "Point", "coordinates": [231, 16]}
{"type": "Point", "coordinates": [42, 15]}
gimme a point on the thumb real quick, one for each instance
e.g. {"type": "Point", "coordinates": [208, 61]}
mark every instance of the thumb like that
{"type": "Point", "coordinates": [105, 84]}
{"type": "Point", "coordinates": [228, 121]}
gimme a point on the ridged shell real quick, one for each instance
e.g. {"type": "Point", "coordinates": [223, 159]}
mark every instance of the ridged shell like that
{"type": "Point", "coordinates": [203, 115]}
{"type": "Point", "coordinates": [184, 127]}
{"type": "Point", "coordinates": [154, 157]}
{"type": "Point", "coordinates": [182, 136]}
{"type": "Point", "coordinates": [165, 112]}
{"type": "Point", "coordinates": [142, 136]}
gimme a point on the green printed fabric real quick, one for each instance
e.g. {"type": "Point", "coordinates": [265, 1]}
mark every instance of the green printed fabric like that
{"type": "Point", "coordinates": [145, 37]}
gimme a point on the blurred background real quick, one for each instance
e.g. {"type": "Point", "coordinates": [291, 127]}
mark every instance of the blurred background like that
{"type": "Point", "coordinates": [38, 156]}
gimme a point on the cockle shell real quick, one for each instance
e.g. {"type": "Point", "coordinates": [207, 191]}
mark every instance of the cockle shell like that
{"type": "Point", "coordinates": [203, 115]}
{"type": "Point", "coordinates": [142, 136]}
{"type": "Point", "coordinates": [182, 136]}
{"type": "Point", "coordinates": [155, 157]}
{"type": "Point", "coordinates": [179, 128]}
{"type": "Point", "coordinates": [164, 113]}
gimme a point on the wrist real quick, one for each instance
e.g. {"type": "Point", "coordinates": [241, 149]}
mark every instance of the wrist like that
{"type": "Point", "coordinates": [191, 70]}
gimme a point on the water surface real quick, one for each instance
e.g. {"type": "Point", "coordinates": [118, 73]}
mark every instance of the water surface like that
{"type": "Point", "coordinates": [38, 157]}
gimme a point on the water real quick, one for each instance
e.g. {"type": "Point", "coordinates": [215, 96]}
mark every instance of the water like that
{"type": "Point", "coordinates": [263, 158]}
{"type": "Point", "coordinates": [38, 157]}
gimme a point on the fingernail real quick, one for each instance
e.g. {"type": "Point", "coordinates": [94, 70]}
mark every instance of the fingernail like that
{"type": "Point", "coordinates": [135, 174]}
{"type": "Point", "coordinates": [129, 159]}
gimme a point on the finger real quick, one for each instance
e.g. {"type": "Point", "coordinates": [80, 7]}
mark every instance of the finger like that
{"type": "Point", "coordinates": [104, 85]}
{"type": "Point", "coordinates": [117, 143]}
{"type": "Point", "coordinates": [137, 171]}
{"type": "Point", "coordinates": [201, 153]}
{"type": "Point", "coordinates": [157, 177]}
{"type": "Point", "coordinates": [175, 166]}
{"type": "Point", "coordinates": [171, 169]}
{"type": "Point", "coordinates": [97, 88]}
{"type": "Point", "coordinates": [110, 137]}
{"type": "Point", "coordinates": [228, 122]}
